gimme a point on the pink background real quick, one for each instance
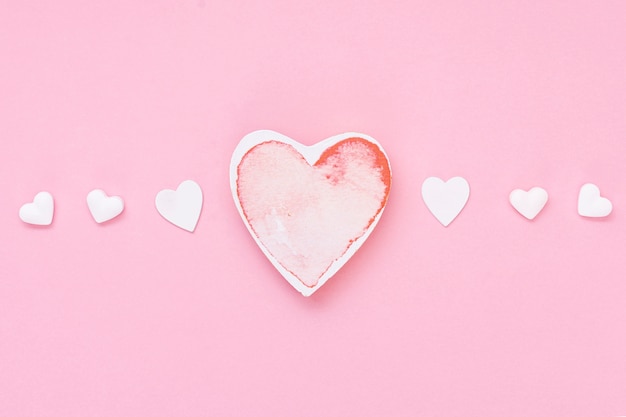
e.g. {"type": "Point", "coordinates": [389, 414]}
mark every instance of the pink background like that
{"type": "Point", "coordinates": [492, 316]}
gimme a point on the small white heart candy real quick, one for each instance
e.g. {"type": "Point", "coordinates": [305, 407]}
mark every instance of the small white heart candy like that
{"type": "Point", "coordinates": [529, 203]}
{"type": "Point", "coordinates": [591, 204]}
{"type": "Point", "coordinates": [40, 211]}
{"type": "Point", "coordinates": [103, 207]}
{"type": "Point", "coordinates": [181, 207]}
{"type": "Point", "coordinates": [445, 200]}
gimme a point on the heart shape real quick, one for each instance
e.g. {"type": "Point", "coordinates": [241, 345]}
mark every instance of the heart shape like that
{"type": "Point", "coordinates": [309, 208]}
{"type": "Point", "coordinates": [445, 199]}
{"type": "Point", "coordinates": [181, 207]}
{"type": "Point", "coordinates": [102, 207]}
{"type": "Point", "coordinates": [40, 211]}
{"type": "Point", "coordinates": [529, 203]}
{"type": "Point", "coordinates": [591, 204]}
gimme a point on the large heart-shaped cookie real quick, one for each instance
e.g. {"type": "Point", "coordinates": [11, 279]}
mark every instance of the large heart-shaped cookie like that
{"type": "Point", "coordinates": [309, 208]}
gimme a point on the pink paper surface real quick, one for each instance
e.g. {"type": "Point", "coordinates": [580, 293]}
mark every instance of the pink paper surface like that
{"type": "Point", "coordinates": [492, 316]}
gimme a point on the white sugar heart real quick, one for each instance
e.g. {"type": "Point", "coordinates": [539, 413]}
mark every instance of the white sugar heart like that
{"type": "Point", "coordinates": [591, 204]}
{"type": "Point", "coordinates": [309, 208]}
{"type": "Point", "coordinates": [181, 207]}
{"type": "Point", "coordinates": [102, 207]}
{"type": "Point", "coordinates": [529, 203]}
{"type": "Point", "coordinates": [445, 199]}
{"type": "Point", "coordinates": [40, 211]}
